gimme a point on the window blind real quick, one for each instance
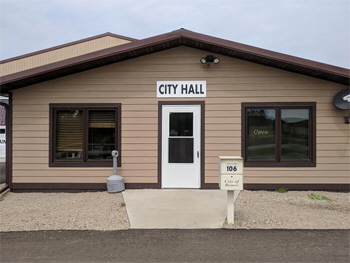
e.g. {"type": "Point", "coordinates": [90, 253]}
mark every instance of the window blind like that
{"type": "Point", "coordinates": [69, 131]}
{"type": "Point", "coordinates": [102, 119]}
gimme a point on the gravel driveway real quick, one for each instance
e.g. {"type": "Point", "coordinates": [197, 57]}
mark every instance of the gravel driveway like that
{"type": "Point", "coordinates": [103, 211]}
{"type": "Point", "coordinates": [57, 211]}
{"type": "Point", "coordinates": [292, 210]}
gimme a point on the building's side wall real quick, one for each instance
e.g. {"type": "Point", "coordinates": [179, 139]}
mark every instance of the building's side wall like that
{"type": "Point", "coordinates": [60, 54]}
{"type": "Point", "coordinates": [133, 83]}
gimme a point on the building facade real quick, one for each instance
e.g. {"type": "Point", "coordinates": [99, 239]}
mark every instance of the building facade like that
{"type": "Point", "coordinates": [171, 114]}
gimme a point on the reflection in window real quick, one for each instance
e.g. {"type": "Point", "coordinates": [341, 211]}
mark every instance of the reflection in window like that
{"type": "Point", "coordinates": [84, 135]}
{"type": "Point", "coordinates": [181, 124]}
{"type": "Point", "coordinates": [279, 134]}
{"type": "Point", "coordinates": [180, 150]}
{"type": "Point", "coordinates": [295, 134]}
{"type": "Point", "coordinates": [69, 140]}
{"type": "Point", "coordinates": [261, 134]}
{"type": "Point", "coordinates": [101, 134]}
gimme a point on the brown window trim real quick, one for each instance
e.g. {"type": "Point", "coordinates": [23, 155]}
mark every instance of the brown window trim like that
{"type": "Point", "coordinates": [84, 106]}
{"type": "Point", "coordinates": [278, 163]}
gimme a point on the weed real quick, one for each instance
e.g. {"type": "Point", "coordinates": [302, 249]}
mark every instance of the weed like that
{"type": "Point", "coordinates": [319, 197]}
{"type": "Point", "coordinates": [122, 204]}
{"type": "Point", "coordinates": [282, 190]}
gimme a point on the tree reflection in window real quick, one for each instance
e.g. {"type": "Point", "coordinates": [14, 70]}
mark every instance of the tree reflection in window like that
{"type": "Point", "coordinates": [261, 134]}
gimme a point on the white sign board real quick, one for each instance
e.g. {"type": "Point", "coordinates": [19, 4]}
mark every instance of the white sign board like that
{"type": "Point", "coordinates": [231, 182]}
{"type": "Point", "coordinates": [231, 173]}
{"type": "Point", "coordinates": [231, 166]}
{"type": "Point", "coordinates": [181, 89]}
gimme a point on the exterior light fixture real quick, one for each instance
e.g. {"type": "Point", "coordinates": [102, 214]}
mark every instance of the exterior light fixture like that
{"type": "Point", "coordinates": [209, 59]}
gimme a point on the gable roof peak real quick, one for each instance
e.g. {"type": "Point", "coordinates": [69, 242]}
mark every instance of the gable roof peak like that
{"type": "Point", "coordinates": [180, 37]}
{"type": "Point", "coordinates": [183, 30]}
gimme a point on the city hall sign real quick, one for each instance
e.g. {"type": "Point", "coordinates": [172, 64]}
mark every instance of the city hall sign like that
{"type": "Point", "coordinates": [181, 89]}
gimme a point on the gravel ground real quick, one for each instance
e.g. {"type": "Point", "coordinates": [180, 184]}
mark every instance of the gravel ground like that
{"type": "Point", "coordinates": [103, 211]}
{"type": "Point", "coordinates": [57, 211]}
{"type": "Point", "coordinates": [291, 210]}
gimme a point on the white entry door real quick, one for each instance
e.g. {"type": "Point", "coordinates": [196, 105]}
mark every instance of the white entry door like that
{"type": "Point", "coordinates": [181, 140]}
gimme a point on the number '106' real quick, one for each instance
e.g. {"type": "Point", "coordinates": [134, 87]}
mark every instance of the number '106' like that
{"type": "Point", "coordinates": [231, 168]}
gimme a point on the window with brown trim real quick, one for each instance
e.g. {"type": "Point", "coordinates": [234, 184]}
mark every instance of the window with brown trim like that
{"type": "Point", "coordinates": [84, 135]}
{"type": "Point", "coordinates": [279, 134]}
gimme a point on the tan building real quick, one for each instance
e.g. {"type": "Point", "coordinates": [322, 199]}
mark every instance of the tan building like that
{"type": "Point", "coordinates": [171, 104]}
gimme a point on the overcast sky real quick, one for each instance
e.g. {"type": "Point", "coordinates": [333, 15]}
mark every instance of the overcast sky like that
{"type": "Point", "coordinates": [313, 29]}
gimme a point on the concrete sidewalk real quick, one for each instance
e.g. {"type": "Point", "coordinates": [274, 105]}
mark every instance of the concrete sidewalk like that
{"type": "Point", "coordinates": [176, 209]}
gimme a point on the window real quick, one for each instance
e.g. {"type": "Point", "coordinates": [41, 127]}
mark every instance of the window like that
{"type": "Point", "coordinates": [181, 137]}
{"type": "Point", "coordinates": [84, 135]}
{"type": "Point", "coordinates": [279, 134]}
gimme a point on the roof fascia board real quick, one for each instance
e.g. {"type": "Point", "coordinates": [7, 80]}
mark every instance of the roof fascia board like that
{"type": "Point", "coordinates": [178, 34]}
{"type": "Point", "coordinates": [66, 45]}
{"type": "Point", "coordinates": [268, 54]}
{"type": "Point", "coordinates": [132, 46]}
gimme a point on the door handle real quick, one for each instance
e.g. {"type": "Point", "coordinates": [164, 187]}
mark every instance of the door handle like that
{"type": "Point", "coordinates": [197, 154]}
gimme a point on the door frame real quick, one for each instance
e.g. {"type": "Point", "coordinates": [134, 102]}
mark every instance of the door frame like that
{"type": "Point", "coordinates": [8, 150]}
{"type": "Point", "coordinates": [202, 144]}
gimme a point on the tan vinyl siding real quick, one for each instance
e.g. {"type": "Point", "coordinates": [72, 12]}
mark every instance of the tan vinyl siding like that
{"type": "Point", "coordinates": [133, 84]}
{"type": "Point", "coordinates": [60, 54]}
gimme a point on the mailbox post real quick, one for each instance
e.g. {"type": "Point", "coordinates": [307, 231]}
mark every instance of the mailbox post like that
{"type": "Point", "coordinates": [231, 179]}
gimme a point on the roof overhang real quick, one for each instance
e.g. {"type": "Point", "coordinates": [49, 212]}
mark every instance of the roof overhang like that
{"type": "Point", "coordinates": [108, 34]}
{"type": "Point", "coordinates": [166, 41]}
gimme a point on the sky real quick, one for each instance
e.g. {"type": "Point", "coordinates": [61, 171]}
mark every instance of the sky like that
{"type": "Point", "coordinates": [313, 29]}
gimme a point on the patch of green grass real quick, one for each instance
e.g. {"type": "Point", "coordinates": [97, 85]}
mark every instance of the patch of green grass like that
{"type": "Point", "coordinates": [319, 197]}
{"type": "Point", "coordinates": [122, 204]}
{"type": "Point", "coordinates": [282, 190]}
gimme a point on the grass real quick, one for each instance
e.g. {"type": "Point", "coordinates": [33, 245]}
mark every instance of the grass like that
{"type": "Point", "coordinates": [319, 197]}
{"type": "Point", "coordinates": [282, 190]}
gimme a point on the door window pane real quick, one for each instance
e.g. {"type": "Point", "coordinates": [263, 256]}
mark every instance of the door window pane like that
{"type": "Point", "coordinates": [261, 134]}
{"type": "Point", "coordinates": [69, 140]}
{"type": "Point", "coordinates": [181, 124]}
{"type": "Point", "coordinates": [295, 134]}
{"type": "Point", "coordinates": [101, 134]}
{"type": "Point", "coordinates": [180, 150]}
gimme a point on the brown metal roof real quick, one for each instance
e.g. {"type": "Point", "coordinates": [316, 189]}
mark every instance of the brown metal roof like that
{"type": "Point", "coordinates": [181, 37]}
